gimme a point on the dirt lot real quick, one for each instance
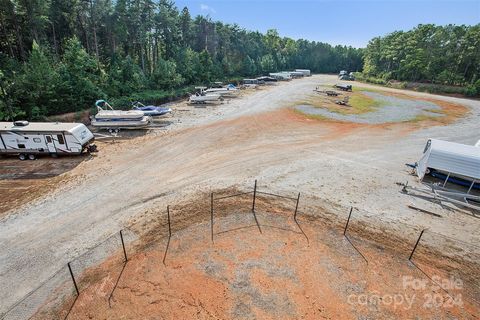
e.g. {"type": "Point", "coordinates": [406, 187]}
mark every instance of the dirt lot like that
{"type": "Point", "coordinates": [201, 149]}
{"type": "Point", "coordinates": [278, 269]}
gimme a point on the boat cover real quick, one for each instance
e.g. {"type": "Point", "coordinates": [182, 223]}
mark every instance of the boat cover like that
{"type": "Point", "coordinates": [456, 158]}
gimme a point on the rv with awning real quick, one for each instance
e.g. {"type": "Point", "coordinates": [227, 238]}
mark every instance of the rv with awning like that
{"type": "Point", "coordinates": [29, 139]}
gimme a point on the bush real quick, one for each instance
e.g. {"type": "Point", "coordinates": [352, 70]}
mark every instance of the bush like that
{"type": "Point", "coordinates": [471, 91]}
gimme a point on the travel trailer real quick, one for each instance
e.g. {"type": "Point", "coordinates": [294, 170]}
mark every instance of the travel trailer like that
{"type": "Point", "coordinates": [29, 139]}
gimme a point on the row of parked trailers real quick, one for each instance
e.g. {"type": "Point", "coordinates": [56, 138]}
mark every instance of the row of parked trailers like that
{"type": "Point", "coordinates": [288, 75]}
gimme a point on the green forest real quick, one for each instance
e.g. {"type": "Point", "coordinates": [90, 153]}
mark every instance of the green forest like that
{"type": "Point", "coordinates": [59, 56]}
{"type": "Point", "coordinates": [443, 55]}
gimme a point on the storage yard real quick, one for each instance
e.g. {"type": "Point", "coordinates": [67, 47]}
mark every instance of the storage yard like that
{"type": "Point", "coordinates": [53, 210]}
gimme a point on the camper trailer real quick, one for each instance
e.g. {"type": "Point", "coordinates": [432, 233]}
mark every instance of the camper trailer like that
{"type": "Point", "coordinates": [27, 140]}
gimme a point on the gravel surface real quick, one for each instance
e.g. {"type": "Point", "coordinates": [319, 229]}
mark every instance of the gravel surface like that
{"type": "Point", "coordinates": [201, 149]}
{"type": "Point", "coordinates": [392, 109]}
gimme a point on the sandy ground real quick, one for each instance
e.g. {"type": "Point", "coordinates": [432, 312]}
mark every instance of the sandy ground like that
{"type": "Point", "coordinates": [202, 149]}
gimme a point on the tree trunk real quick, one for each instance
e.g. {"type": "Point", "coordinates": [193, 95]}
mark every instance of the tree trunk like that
{"type": "Point", "coordinates": [82, 28]}
{"type": "Point", "coordinates": [55, 46]}
{"type": "Point", "coordinates": [19, 36]}
{"type": "Point", "coordinates": [5, 35]}
{"type": "Point", "coordinates": [94, 26]}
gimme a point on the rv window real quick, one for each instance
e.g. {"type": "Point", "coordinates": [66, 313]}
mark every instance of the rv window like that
{"type": "Point", "coordinates": [60, 139]}
{"type": "Point", "coordinates": [21, 146]}
{"type": "Point", "coordinates": [37, 140]}
{"type": "Point", "coordinates": [49, 139]}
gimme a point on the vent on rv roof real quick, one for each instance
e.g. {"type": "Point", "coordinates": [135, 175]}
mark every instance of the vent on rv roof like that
{"type": "Point", "coordinates": [21, 123]}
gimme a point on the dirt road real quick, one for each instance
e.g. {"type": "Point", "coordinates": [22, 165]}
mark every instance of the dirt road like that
{"type": "Point", "coordinates": [232, 144]}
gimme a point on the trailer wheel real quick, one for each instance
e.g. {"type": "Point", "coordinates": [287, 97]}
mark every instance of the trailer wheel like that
{"type": "Point", "coordinates": [31, 157]}
{"type": "Point", "coordinates": [22, 156]}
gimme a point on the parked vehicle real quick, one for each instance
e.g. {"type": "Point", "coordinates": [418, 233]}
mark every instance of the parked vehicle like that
{"type": "Point", "coordinates": [267, 79]}
{"type": "Point", "coordinates": [283, 76]}
{"type": "Point", "coordinates": [152, 111]}
{"type": "Point", "coordinates": [452, 162]}
{"type": "Point", "coordinates": [200, 97]}
{"type": "Point", "coordinates": [306, 72]}
{"type": "Point", "coordinates": [110, 119]}
{"type": "Point", "coordinates": [296, 74]}
{"type": "Point", "coordinates": [343, 87]}
{"type": "Point", "coordinates": [223, 92]}
{"type": "Point", "coordinates": [29, 139]}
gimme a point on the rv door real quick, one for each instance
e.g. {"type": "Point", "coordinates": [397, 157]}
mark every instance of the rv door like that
{"type": "Point", "coordinates": [50, 144]}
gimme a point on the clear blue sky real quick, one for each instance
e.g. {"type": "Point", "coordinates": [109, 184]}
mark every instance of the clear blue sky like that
{"type": "Point", "coordinates": [335, 22]}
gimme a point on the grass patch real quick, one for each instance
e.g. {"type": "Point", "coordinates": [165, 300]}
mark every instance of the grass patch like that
{"type": "Point", "coordinates": [358, 103]}
{"type": "Point", "coordinates": [362, 103]}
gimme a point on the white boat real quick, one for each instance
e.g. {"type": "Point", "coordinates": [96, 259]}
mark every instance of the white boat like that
{"type": "Point", "coordinates": [201, 97]}
{"type": "Point", "coordinates": [224, 92]}
{"type": "Point", "coordinates": [108, 118]}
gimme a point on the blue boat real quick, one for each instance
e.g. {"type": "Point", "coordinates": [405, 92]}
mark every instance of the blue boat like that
{"type": "Point", "coordinates": [152, 111]}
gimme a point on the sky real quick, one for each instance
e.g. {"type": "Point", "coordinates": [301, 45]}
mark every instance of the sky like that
{"type": "Point", "coordinates": [351, 22]}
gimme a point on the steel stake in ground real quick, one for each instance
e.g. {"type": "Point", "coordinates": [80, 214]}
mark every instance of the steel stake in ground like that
{"type": "Point", "coordinates": [73, 278]}
{"type": "Point", "coordinates": [211, 215]}
{"type": "Point", "coordinates": [254, 195]}
{"type": "Point", "coordinates": [348, 220]}
{"type": "Point", "coordinates": [416, 244]}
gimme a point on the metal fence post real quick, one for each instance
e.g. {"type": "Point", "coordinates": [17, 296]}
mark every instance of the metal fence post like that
{"type": "Point", "coordinates": [296, 207]}
{"type": "Point", "coordinates": [168, 219]}
{"type": "Point", "coordinates": [254, 195]}
{"type": "Point", "coordinates": [73, 278]}
{"type": "Point", "coordinates": [416, 244]}
{"type": "Point", "coordinates": [123, 245]}
{"type": "Point", "coordinates": [211, 215]}
{"type": "Point", "coordinates": [348, 220]}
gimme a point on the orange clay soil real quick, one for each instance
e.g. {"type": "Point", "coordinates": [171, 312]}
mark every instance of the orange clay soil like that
{"type": "Point", "coordinates": [271, 272]}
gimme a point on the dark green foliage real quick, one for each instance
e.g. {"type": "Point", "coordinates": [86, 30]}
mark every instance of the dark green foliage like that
{"type": "Point", "coordinates": [446, 56]}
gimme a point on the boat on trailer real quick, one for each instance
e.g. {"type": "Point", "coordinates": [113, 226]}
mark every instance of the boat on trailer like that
{"type": "Point", "coordinates": [30, 139]}
{"type": "Point", "coordinates": [111, 119]}
{"type": "Point", "coordinates": [201, 97]}
{"type": "Point", "coordinates": [153, 111]}
{"type": "Point", "coordinates": [452, 162]}
{"type": "Point", "coordinates": [229, 91]}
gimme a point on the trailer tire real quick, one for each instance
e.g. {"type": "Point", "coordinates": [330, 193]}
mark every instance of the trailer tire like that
{"type": "Point", "coordinates": [31, 157]}
{"type": "Point", "coordinates": [22, 156]}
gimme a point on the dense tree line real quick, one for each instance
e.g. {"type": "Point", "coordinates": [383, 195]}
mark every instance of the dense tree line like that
{"type": "Point", "coordinates": [60, 56]}
{"type": "Point", "coordinates": [447, 55]}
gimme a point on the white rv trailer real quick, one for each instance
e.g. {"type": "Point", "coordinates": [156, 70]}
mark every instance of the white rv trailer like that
{"type": "Point", "coordinates": [306, 72]}
{"type": "Point", "coordinates": [55, 138]}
